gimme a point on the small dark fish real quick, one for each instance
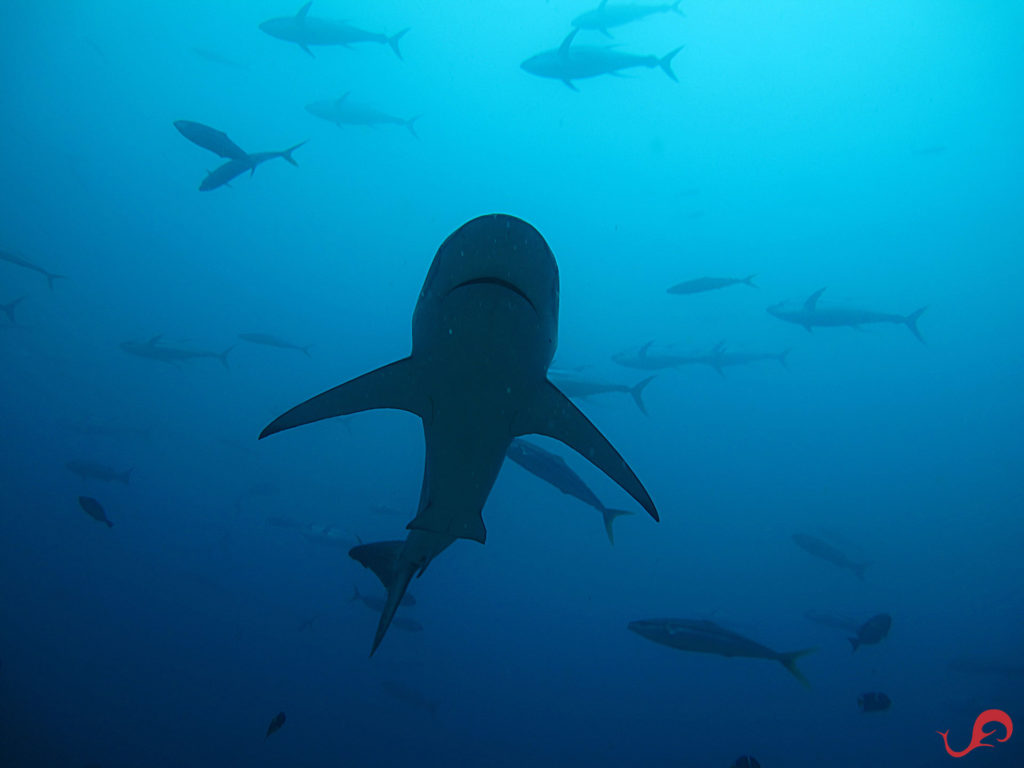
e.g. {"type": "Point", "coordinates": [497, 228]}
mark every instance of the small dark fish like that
{"type": "Point", "coordinates": [210, 138]}
{"type": "Point", "coordinates": [704, 284]}
{"type": "Point", "coordinates": [94, 510]}
{"type": "Point", "coordinates": [873, 702]}
{"type": "Point", "coordinates": [746, 762]}
{"type": "Point", "coordinates": [88, 470]}
{"type": "Point", "coordinates": [812, 545]}
{"type": "Point", "coordinates": [18, 261]}
{"type": "Point", "coordinates": [275, 724]}
{"type": "Point", "coordinates": [872, 631]}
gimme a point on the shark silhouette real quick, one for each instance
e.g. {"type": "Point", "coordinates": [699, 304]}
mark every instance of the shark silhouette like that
{"type": "Point", "coordinates": [484, 332]}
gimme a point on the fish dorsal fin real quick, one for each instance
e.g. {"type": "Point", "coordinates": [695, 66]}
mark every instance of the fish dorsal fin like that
{"type": "Point", "coordinates": [563, 49]}
{"type": "Point", "coordinates": [812, 300]}
{"type": "Point", "coordinates": [380, 557]}
{"type": "Point", "coordinates": [304, 10]}
{"type": "Point", "coordinates": [341, 98]}
{"type": "Point", "coordinates": [396, 386]}
{"type": "Point", "coordinates": [719, 348]}
{"type": "Point", "coordinates": [550, 413]}
{"type": "Point", "coordinates": [155, 340]}
{"type": "Point", "coordinates": [644, 348]}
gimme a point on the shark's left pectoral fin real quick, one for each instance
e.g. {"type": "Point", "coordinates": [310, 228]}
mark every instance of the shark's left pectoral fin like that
{"type": "Point", "coordinates": [396, 386]}
{"type": "Point", "coordinates": [552, 414]}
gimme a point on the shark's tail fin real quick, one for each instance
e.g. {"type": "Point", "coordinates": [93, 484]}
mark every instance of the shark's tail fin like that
{"type": "Point", "coordinates": [782, 358]}
{"type": "Point", "coordinates": [788, 660]}
{"type": "Point", "coordinates": [50, 277]}
{"type": "Point", "coordinates": [609, 516]}
{"type": "Point", "coordinates": [126, 476]}
{"type": "Point", "coordinates": [911, 321]}
{"type": "Point", "coordinates": [393, 42]}
{"type": "Point", "coordinates": [287, 154]}
{"type": "Point", "coordinates": [749, 280]}
{"type": "Point", "coordinates": [8, 309]}
{"type": "Point", "coordinates": [411, 125]}
{"type": "Point", "coordinates": [665, 62]}
{"type": "Point", "coordinates": [637, 392]}
{"type": "Point", "coordinates": [223, 357]}
{"type": "Point", "coordinates": [396, 590]}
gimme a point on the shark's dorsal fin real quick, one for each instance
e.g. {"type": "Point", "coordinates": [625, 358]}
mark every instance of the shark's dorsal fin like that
{"type": "Point", "coordinates": [553, 415]}
{"type": "Point", "coordinates": [394, 386]}
{"type": "Point", "coordinates": [380, 557]}
{"type": "Point", "coordinates": [563, 49]}
{"type": "Point", "coordinates": [304, 10]}
{"type": "Point", "coordinates": [812, 300]}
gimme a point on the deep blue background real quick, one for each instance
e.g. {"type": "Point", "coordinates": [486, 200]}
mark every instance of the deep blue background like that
{"type": "Point", "coordinates": [871, 147]}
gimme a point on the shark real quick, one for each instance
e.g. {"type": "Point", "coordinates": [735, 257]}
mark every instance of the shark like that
{"type": "Point", "coordinates": [305, 30]}
{"type": "Point", "coordinates": [811, 317]}
{"type": "Point", "coordinates": [615, 15]}
{"type": "Point", "coordinates": [8, 309]}
{"type": "Point", "coordinates": [484, 332]}
{"type": "Point", "coordinates": [343, 111]}
{"type": "Point", "coordinates": [154, 349]}
{"type": "Point", "coordinates": [21, 261]}
{"type": "Point", "coordinates": [568, 62]}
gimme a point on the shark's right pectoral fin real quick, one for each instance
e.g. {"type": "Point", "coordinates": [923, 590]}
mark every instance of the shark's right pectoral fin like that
{"type": "Point", "coordinates": [396, 386]}
{"type": "Point", "coordinates": [552, 414]}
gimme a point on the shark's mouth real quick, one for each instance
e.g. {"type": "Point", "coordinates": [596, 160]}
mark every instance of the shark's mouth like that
{"type": "Point", "coordinates": [498, 282]}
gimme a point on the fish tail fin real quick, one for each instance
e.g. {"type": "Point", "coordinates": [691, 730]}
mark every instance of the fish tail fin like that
{"type": "Point", "coordinates": [126, 476]}
{"type": "Point", "coordinates": [50, 277]}
{"type": "Point", "coordinates": [637, 393]}
{"type": "Point", "coordinates": [396, 590]}
{"type": "Point", "coordinates": [855, 642]}
{"type": "Point", "coordinates": [305, 350]}
{"type": "Point", "coordinates": [782, 358]}
{"type": "Point", "coordinates": [223, 357]}
{"type": "Point", "coordinates": [411, 125]}
{"type": "Point", "coordinates": [749, 280]}
{"type": "Point", "coordinates": [393, 42]}
{"type": "Point", "coordinates": [911, 322]}
{"type": "Point", "coordinates": [609, 516]}
{"type": "Point", "coordinates": [9, 309]}
{"type": "Point", "coordinates": [665, 62]}
{"type": "Point", "coordinates": [788, 660]}
{"type": "Point", "coordinates": [287, 154]}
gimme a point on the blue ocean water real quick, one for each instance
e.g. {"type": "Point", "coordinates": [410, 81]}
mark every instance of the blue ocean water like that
{"type": "Point", "coordinates": [870, 148]}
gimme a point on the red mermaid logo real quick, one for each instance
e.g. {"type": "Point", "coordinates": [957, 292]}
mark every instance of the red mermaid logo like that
{"type": "Point", "coordinates": [979, 734]}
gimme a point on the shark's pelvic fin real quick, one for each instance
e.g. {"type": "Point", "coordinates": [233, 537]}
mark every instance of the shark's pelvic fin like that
{"type": "Point", "coordinates": [395, 386]}
{"type": "Point", "coordinates": [553, 415]}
